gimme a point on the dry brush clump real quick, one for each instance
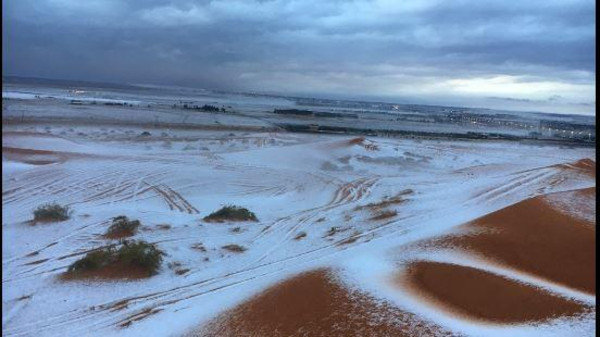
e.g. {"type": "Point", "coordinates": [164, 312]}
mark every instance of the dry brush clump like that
{"type": "Point", "coordinates": [122, 227]}
{"type": "Point", "coordinates": [51, 212]}
{"type": "Point", "coordinates": [198, 246]}
{"type": "Point", "coordinates": [231, 213]}
{"type": "Point", "coordinates": [351, 239]}
{"type": "Point", "coordinates": [300, 235]}
{"type": "Point", "coordinates": [332, 231]}
{"type": "Point", "coordinates": [384, 215]}
{"type": "Point", "coordinates": [388, 201]}
{"type": "Point", "coordinates": [235, 248]}
{"type": "Point", "coordinates": [138, 257]}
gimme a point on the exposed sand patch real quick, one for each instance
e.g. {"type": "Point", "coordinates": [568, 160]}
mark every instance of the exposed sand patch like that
{"type": "Point", "coordinates": [42, 148]}
{"type": "Point", "coordinates": [42, 157]}
{"type": "Point", "coordinates": [481, 295]}
{"type": "Point", "coordinates": [163, 226]}
{"type": "Point", "coordinates": [395, 200]}
{"type": "Point", "coordinates": [300, 235]}
{"type": "Point", "coordinates": [118, 271]}
{"type": "Point", "coordinates": [139, 316]}
{"type": "Point", "coordinates": [578, 203]}
{"type": "Point", "coordinates": [356, 141]}
{"type": "Point", "coordinates": [235, 248]}
{"type": "Point", "coordinates": [33, 157]}
{"type": "Point", "coordinates": [534, 237]}
{"type": "Point", "coordinates": [368, 145]}
{"type": "Point", "coordinates": [586, 166]}
{"type": "Point", "coordinates": [313, 304]}
{"type": "Point", "coordinates": [36, 140]}
{"type": "Point", "coordinates": [118, 234]}
{"type": "Point", "coordinates": [384, 215]}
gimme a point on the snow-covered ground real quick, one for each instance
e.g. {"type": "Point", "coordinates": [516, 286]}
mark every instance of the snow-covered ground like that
{"type": "Point", "coordinates": [293, 182]}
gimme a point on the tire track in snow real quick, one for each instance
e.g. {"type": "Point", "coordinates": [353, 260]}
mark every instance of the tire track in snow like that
{"type": "Point", "coordinates": [173, 199]}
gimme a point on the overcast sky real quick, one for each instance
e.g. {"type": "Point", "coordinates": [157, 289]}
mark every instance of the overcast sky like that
{"type": "Point", "coordinates": [525, 55]}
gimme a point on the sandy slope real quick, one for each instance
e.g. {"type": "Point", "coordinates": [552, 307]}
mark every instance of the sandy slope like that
{"type": "Point", "coordinates": [535, 237]}
{"type": "Point", "coordinates": [533, 261]}
{"type": "Point", "coordinates": [315, 304]}
{"type": "Point", "coordinates": [476, 294]}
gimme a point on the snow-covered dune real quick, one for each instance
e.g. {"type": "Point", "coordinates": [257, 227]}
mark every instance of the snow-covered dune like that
{"type": "Point", "coordinates": [333, 202]}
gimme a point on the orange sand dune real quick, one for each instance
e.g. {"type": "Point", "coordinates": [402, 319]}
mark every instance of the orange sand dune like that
{"type": "Point", "coordinates": [481, 295]}
{"type": "Point", "coordinates": [313, 304]}
{"type": "Point", "coordinates": [578, 203]}
{"type": "Point", "coordinates": [534, 237]}
{"type": "Point", "coordinates": [44, 157]}
{"type": "Point", "coordinates": [357, 141]}
{"type": "Point", "coordinates": [586, 166]}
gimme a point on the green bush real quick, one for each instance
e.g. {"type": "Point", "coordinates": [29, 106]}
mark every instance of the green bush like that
{"type": "Point", "coordinates": [51, 212]}
{"type": "Point", "coordinates": [135, 254]}
{"type": "Point", "coordinates": [231, 213]}
{"type": "Point", "coordinates": [94, 260]}
{"type": "Point", "coordinates": [122, 226]}
{"type": "Point", "coordinates": [140, 254]}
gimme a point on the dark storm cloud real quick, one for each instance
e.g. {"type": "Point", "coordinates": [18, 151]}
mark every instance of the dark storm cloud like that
{"type": "Point", "coordinates": [426, 49]}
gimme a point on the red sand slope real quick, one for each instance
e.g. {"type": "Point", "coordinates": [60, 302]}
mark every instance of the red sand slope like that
{"type": "Point", "coordinates": [481, 295]}
{"type": "Point", "coordinates": [312, 304]}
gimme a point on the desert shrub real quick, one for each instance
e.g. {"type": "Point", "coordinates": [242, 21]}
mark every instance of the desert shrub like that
{"type": "Point", "coordinates": [135, 254]}
{"type": "Point", "coordinates": [94, 260]}
{"type": "Point", "coordinates": [122, 226]}
{"type": "Point", "coordinates": [234, 248]}
{"type": "Point", "coordinates": [332, 231]}
{"type": "Point", "coordinates": [231, 213]}
{"type": "Point", "coordinates": [140, 254]}
{"type": "Point", "coordinates": [51, 212]}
